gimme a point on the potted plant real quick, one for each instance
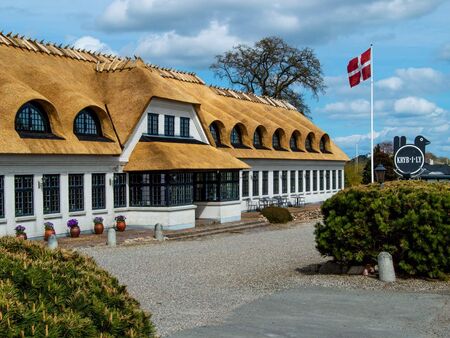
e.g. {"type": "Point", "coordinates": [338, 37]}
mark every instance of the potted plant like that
{"type": "Point", "coordinates": [120, 223]}
{"type": "Point", "coordinates": [49, 230]}
{"type": "Point", "coordinates": [20, 232]}
{"type": "Point", "coordinates": [74, 228]}
{"type": "Point", "coordinates": [98, 225]}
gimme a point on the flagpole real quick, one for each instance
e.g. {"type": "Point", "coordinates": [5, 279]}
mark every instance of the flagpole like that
{"type": "Point", "coordinates": [371, 116]}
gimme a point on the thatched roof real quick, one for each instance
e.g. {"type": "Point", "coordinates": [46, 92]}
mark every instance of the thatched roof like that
{"type": "Point", "coordinates": [180, 156]}
{"type": "Point", "coordinates": [65, 80]}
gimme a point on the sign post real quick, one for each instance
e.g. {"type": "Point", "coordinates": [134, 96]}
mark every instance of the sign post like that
{"type": "Point", "coordinates": [409, 158]}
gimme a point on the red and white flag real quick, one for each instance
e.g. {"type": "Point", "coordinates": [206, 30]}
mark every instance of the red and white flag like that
{"type": "Point", "coordinates": [359, 67]}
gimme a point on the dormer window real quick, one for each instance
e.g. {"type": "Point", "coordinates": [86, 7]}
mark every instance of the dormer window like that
{"type": "Point", "coordinates": [257, 139]}
{"type": "Point", "coordinates": [308, 143]}
{"type": "Point", "coordinates": [293, 143]}
{"type": "Point", "coordinates": [215, 133]}
{"type": "Point", "coordinates": [276, 140]}
{"type": "Point", "coordinates": [31, 118]}
{"type": "Point", "coordinates": [236, 137]}
{"type": "Point", "coordinates": [169, 125]}
{"type": "Point", "coordinates": [87, 124]}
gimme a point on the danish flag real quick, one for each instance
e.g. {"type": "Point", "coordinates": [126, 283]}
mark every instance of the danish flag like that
{"type": "Point", "coordinates": [359, 67]}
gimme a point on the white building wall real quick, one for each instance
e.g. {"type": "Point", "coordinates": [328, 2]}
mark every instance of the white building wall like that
{"type": "Point", "coordinates": [272, 166]}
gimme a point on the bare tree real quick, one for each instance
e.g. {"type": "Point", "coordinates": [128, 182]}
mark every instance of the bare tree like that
{"type": "Point", "coordinates": [273, 68]}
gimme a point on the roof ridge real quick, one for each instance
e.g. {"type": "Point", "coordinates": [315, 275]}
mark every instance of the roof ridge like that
{"type": "Point", "coordinates": [175, 74]}
{"type": "Point", "coordinates": [50, 48]}
{"type": "Point", "coordinates": [248, 96]}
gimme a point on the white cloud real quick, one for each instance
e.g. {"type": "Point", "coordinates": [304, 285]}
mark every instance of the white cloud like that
{"type": "Point", "coordinates": [197, 50]}
{"type": "Point", "coordinates": [417, 106]}
{"type": "Point", "coordinates": [93, 44]}
{"type": "Point", "coordinates": [304, 21]}
{"type": "Point", "coordinates": [390, 83]}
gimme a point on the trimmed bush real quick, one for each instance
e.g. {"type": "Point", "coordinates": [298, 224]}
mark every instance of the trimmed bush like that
{"type": "Point", "coordinates": [277, 214]}
{"type": "Point", "coordinates": [61, 293]}
{"type": "Point", "coordinates": [408, 219]}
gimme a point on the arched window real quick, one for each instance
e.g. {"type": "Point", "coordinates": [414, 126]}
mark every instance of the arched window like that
{"type": "Point", "coordinates": [86, 123]}
{"type": "Point", "coordinates": [308, 143]}
{"type": "Point", "coordinates": [215, 133]}
{"type": "Point", "coordinates": [32, 118]}
{"type": "Point", "coordinates": [322, 145]}
{"type": "Point", "coordinates": [293, 142]}
{"type": "Point", "coordinates": [236, 137]}
{"type": "Point", "coordinates": [257, 138]}
{"type": "Point", "coordinates": [276, 140]}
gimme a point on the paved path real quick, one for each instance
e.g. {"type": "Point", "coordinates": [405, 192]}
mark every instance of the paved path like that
{"type": "Point", "coordinates": [325, 312]}
{"type": "Point", "coordinates": [194, 283]}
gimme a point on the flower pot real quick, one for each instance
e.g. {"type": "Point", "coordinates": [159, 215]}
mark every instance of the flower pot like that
{"type": "Point", "coordinates": [22, 236]}
{"type": "Point", "coordinates": [120, 226]}
{"type": "Point", "coordinates": [75, 232]}
{"type": "Point", "coordinates": [48, 233]}
{"type": "Point", "coordinates": [98, 228]}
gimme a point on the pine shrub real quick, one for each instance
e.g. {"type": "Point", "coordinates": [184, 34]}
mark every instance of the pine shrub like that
{"type": "Point", "coordinates": [277, 214]}
{"type": "Point", "coordinates": [408, 219]}
{"type": "Point", "coordinates": [61, 293]}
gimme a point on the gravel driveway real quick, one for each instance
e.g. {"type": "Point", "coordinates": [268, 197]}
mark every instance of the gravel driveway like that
{"type": "Point", "coordinates": [193, 283]}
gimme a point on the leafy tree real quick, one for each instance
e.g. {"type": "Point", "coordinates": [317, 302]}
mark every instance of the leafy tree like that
{"type": "Point", "coordinates": [380, 158]}
{"type": "Point", "coordinates": [273, 68]}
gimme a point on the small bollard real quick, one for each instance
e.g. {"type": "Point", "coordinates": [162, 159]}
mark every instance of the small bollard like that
{"type": "Point", "coordinates": [386, 267]}
{"type": "Point", "coordinates": [158, 232]}
{"type": "Point", "coordinates": [52, 242]}
{"type": "Point", "coordinates": [111, 237]}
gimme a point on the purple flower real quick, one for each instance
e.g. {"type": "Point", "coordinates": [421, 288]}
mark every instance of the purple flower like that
{"type": "Point", "coordinates": [120, 218]}
{"type": "Point", "coordinates": [20, 229]}
{"type": "Point", "coordinates": [48, 226]}
{"type": "Point", "coordinates": [72, 223]}
{"type": "Point", "coordinates": [98, 220]}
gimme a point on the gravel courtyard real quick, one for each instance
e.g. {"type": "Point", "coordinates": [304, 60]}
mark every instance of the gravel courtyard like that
{"type": "Point", "coordinates": [186, 284]}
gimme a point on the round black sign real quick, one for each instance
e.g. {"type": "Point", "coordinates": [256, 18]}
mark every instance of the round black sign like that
{"type": "Point", "coordinates": [409, 159]}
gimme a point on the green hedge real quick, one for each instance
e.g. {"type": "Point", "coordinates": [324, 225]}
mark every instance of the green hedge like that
{"type": "Point", "coordinates": [409, 219]}
{"type": "Point", "coordinates": [63, 294]}
{"type": "Point", "coordinates": [277, 214]}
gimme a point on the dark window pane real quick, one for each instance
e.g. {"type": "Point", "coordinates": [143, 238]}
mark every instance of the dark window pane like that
{"type": "Point", "coordinates": [120, 190]}
{"type": "Point", "coordinates": [76, 192]}
{"type": "Point", "coordinates": [308, 143]}
{"type": "Point", "coordinates": [308, 180]}
{"type": "Point", "coordinates": [276, 182]}
{"type": "Point", "coordinates": [214, 130]}
{"type": "Point", "coordinates": [265, 182]}
{"type": "Point", "coordinates": [257, 138]}
{"type": "Point", "coordinates": [333, 179]}
{"type": "Point", "coordinates": [255, 183]}
{"type": "Point", "coordinates": [245, 182]}
{"type": "Point", "coordinates": [32, 118]}
{"type": "Point", "coordinates": [169, 125]}
{"type": "Point", "coordinates": [293, 142]}
{"type": "Point", "coordinates": [152, 124]}
{"type": "Point", "coordinates": [292, 180]}
{"type": "Point", "coordinates": [98, 191]}
{"type": "Point", "coordinates": [327, 179]}
{"type": "Point", "coordinates": [339, 179]}
{"type": "Point", "coordinates": [86, 123]}
{"type": "Point", "coordinates": [276, 140]}
{"type": "Point", "coordinates": [236, 137]}
{"type": "Point", "coordinates": [321, 179]}
{"type": "Point", "coordinates": [300, 181]}
{"type": "Point", "coordinates": [50, 191]}
{"type": "Point", "coordinates": [184, 126]}
{"type": "Point", "coordinates": [284, 181]}
{"type": "Point", "coordinates": [24, 195]}
{"type": "Point", "coordinates": [314, 180]}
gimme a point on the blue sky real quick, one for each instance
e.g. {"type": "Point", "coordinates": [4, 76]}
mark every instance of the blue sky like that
{"type": "Point", "coordinates": [411, 50]}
